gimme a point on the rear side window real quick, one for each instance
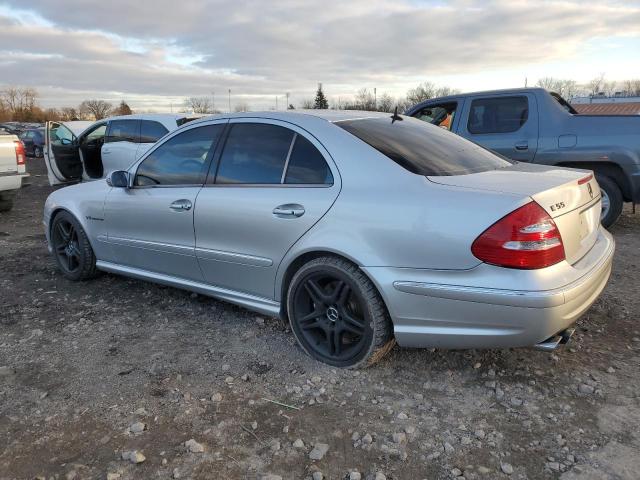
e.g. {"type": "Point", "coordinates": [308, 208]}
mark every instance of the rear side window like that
{"type": "Point", "coordinates": [254, 153]}
{"type": "Point", "coordinates": [498, 115]}
{"type": "Point", "coordinates": [422, 148]}
{"type": "Point", "coordinates": [123, 131]}
{"type": "Point", "coordinates": [151, 131]}
{"type": "Point", "coordinates": [181, 160]}
{"type": "Point", "coordinates": [307, 165]}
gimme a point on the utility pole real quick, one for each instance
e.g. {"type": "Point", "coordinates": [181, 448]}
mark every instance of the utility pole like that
{"type": "Point", "coordinates": [525, 82]}
{"type": "Point", "coordinates": [375, 98]}
{"type": "Point", "coordinates": [287, 95]}
{"type": "Point", "coordinates": [229, 100]}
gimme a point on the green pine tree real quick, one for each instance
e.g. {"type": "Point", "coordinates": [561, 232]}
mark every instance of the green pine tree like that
{"type": "Point", "coordinates": [321, 100]}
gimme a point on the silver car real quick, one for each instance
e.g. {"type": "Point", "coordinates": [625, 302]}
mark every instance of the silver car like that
{"type": "Point", "coordinates": [361, 229]}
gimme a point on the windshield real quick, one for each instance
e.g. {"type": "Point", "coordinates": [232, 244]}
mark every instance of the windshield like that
{"type": "Point", "coordinates": [422, 148]}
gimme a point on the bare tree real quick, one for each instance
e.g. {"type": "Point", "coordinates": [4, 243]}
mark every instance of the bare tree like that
{"type": "Point", "coordinates": [428, 90]}
{"type": "Point", "coordinates": [386, 103]}
{"type": "Point", "coordinates": [199, 104]}
{"type": "Point", "coordinates": [241, 106]}
{"type": "Point", "coordinates": [565, 88]}
{"type": "Point", "coordinates": [20, 103]}
{"type": "Point", "coordinates": [123, 109]}
{"type": "Point", "coordinates": [69, 114]}
{"type": "Point", "coordinates": [632, 87]}
{"type": "Point", "coordinates": [308, 103]}
{"type": "Point", "coordinates": [98, 109]}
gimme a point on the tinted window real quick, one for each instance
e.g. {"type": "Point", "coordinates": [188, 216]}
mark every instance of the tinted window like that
{"type": "Point", "coordinates": [307, 165]}
{"type": "Point", "coordinates": [151, 132]}
{"type": "Point", "coordinates": [441, 115]}
{"type": "Point", "coordinates": [422, 148]}
{"type": "Point", "coordinates": [123, 131]}
{"type": "Point", "coordinates": [254, 153]}
{"type": "Point", "coordinates": [498, 115]}
{"type": "Point", "coordinates": [181, 160]}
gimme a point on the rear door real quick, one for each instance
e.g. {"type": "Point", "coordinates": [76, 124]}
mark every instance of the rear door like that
{"type": "Point", "coordinates": [120, 145]}
{"type": "Point", "coordinates": [273, 183]}
{"type": "Point", "coordinates": [61, 155]}
{"type": "Point", "coordinates": [507, 124]}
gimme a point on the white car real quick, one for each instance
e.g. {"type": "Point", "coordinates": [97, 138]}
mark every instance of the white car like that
{"type": "Point", "coordinates": [85, 151]}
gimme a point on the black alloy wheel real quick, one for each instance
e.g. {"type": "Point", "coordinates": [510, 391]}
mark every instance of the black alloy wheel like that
{"type": "Point", "coordinates": [337, 315]}
{"type": "Point", "coordinates": [71, 248]}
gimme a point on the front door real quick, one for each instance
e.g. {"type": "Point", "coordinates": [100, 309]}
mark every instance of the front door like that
{"type": "Point", "coordinates": [273, 183]}
{"type": "Point", "coordinates": [61, 155]}
{"type": "Point", "coordinates": [150, 224]}
{"type": "Point", "coordinates": [507, 124]}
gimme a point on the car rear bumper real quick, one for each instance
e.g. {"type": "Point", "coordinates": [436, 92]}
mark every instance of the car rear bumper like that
{"type": "Point", "coordinates": [439, 309]}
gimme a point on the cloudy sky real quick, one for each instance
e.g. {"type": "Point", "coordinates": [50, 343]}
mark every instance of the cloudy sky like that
{"type": "Point", "coordinates": [156, 53]}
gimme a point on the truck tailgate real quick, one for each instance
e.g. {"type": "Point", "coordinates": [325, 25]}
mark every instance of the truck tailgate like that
{"type": "Point", "coordinates": [8, 163]}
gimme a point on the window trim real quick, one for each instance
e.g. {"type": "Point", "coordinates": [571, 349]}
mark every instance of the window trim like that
{"type": "Point", "coordinates": [297, 131]}
{"type": "Point", "coordinates": [526, 97]}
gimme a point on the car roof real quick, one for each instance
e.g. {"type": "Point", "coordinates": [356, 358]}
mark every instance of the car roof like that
{"type": "Point", "coordinates": [298, 116]}
{"type": "Point", "coordinates": [152, 116]}
{"type": "Point", "coordinates": [507, 91]}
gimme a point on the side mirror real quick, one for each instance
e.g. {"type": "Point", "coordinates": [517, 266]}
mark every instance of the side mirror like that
{"type": "Point", "coordinates": [119, 179]}
{"type": "Point", "coordinates": [66, 141]}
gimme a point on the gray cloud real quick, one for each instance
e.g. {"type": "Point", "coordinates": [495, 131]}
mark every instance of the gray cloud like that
{"type": "Point", "coordinates": [262, 48]}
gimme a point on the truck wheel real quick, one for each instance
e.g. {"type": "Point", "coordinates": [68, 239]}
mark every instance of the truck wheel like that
{"type": "Point", "coordinates": [6, 202]}
{"type": "Point", "coordinates": [611, 200]}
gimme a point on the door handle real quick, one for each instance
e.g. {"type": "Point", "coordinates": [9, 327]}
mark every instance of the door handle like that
{"type": "Point", "coordinates": [182, 204]}
{"type": "Point", "coordinates": [524, 145]}
{"type": "Point", "coordinates": [289, 210]}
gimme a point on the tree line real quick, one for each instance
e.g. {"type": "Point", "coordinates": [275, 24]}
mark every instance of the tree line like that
{"type": "Point", "coordinates": [21, 104]}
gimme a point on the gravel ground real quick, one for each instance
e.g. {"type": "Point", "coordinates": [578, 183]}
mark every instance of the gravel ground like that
{"type": "Point", "coordinates": [122, 379]}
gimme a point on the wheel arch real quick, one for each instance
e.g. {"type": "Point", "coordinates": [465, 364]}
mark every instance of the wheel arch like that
{"type": "Point", "coordinates": [57, 211]}
{"type": "Point", "coordinates": [300, 259]}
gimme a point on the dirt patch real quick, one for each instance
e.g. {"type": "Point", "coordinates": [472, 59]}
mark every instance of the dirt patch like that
{"type": "Point", "coordinates": [79, 363]}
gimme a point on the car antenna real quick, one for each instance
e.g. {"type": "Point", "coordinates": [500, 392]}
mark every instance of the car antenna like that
{"type": "Point", "coordinates": [395, 116]}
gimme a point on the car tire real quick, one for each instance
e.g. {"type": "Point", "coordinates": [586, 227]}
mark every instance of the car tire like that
{"type": "Point", "coordinates": [337, 314]}
{"type": "Point", "coordinates": [612, 201]}
{"type": "Point", "coordinates": [37, 152]}
{"type": "Point", "coordinates": [71, 248]}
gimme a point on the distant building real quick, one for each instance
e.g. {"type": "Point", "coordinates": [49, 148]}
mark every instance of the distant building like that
{"type": "Point", "coordinates": [619, 104]}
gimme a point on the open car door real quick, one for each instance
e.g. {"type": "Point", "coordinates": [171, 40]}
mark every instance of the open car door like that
{"type": "Point", "coordinates": [62, 153]}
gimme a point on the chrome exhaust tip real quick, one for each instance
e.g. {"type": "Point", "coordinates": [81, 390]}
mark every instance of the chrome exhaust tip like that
{"type": "Point", "coordinates": [552, 343]}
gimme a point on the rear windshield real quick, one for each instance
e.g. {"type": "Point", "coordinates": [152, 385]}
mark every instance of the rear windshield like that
{"type": "Point", "coordinates": [422, 148]}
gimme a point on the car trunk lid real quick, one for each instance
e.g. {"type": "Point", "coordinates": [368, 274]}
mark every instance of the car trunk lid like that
{"type": "Point", "coordinates": [571, 197]}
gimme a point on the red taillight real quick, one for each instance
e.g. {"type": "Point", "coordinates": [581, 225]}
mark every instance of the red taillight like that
{"type": "Point", "coordinates": [526, 238]}
{"type": "Point", "coordinates": [20, 155]}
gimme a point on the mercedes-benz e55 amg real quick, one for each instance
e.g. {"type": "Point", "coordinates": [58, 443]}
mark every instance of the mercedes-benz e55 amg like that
{"type": "Point", "coordinates": [360, 229]}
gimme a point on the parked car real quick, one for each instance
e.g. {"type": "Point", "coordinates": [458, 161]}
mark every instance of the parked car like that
{"type": "Point", "coordinates": [103, 146]}
{"type": "Point", "coordinates": [533, 125]}
{"type": "Point", "coordinates": [33, 141]}
{"type": "Point", "coordinates": [12, 168]}
{"type": "Point", "coordinates": [358, 228]}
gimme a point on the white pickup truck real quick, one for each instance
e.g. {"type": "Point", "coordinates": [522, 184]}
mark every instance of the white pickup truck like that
{"type": "Point", "coordinates": [12, 168]}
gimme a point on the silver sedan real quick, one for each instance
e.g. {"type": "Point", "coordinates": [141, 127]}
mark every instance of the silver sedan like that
{"type": "Point", "coordinates": [360, 229]}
